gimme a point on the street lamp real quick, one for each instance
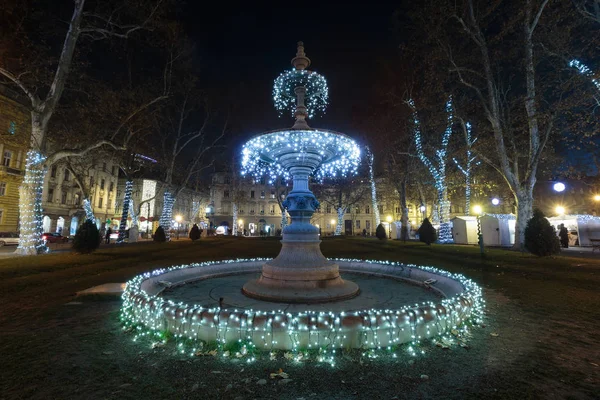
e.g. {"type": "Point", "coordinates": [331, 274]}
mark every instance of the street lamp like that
{"type": "Point", "coordinates": [560, 210]}
{"type": "Point", "coordinates": [558, 187]}
{"type": "Point", "coordinates": [178, 218]}
{"type": "Point", "coordinates": [389, 220]}
{"type": "Point", "coordinates": [477, 210]}
{"type": "Point", "coordinates": [333, 225]}
{"type": "Point", "coordinates": [241, 223]}
{"type": "Point", "coordinates": [495, 201]}
{"type": "Point", "coordinates": [422, 208]}
{"type": "Point", "coordinates": [597, 197]}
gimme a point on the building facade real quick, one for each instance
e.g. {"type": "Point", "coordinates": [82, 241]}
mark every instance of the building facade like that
{"type": "Point", "coordinates": [147, 199]}
{"type": "Point", "coordinates": [15, 131]}
{"type": "Point", "coordinates": [62, 199]}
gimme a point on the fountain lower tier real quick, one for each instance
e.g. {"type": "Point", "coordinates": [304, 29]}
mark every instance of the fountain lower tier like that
{"type": "Point", "coordinates": [300, 274]}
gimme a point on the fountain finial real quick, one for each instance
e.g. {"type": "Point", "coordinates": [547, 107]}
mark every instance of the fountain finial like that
{"type": "Point", "coordinates": [300, 62]}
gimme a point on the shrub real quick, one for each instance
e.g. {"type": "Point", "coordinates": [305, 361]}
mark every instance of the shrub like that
{"type": "Point", "coordinates": [380, 232]}
{"type": "Point", "coordinates": [195, 232]}
{"type": "Point", "coordinates": [159, 235]}
{"type": "Point", "coordinates": [87, 238]}
{"type": "Point", "coordinates": [427, 233]}
{"type": "Point", "coordinates": [540, 236]}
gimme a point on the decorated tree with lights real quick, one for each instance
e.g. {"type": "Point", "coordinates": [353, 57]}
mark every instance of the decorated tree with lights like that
{"type": "Point", "coordinates": [343, 194]}
{"type": "Point", "coordinates": [44, 87]}
{"type": "Point", "coordinates": [466, 169]}
{"type": "Point", "coordinates": [371, 163]}
{"type": "Point", "coordinates": [437, 167]}
{"type": "Point", "coordinates": [282, 189]}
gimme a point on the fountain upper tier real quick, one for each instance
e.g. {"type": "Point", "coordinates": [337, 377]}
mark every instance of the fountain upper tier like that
{"type": "Point", "coordinates": [326, 152]}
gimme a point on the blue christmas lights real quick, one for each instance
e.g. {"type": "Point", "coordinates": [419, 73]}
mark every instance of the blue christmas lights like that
{"type": "Point", "coordinates": [30, 206]}
{"type": "Point", "coordinates": [125, 212]}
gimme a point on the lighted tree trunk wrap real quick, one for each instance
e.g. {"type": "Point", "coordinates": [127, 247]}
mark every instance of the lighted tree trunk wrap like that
{"type": "Point", "coordinates": [234, 228]}
{"type": "Point", "coordinates": [30, 206]}
{"type": "Point", "coordinates": [89, 213]}
{"type": "Point", "coordinates": [371, 161]}
{"type": "Point", "coordinates": [125, 212]}
{"type": "Point", "coordinates": [167, 213]}
{"type": "Point", "coordinates": [340, 221]}
{"type": "Point", "coordinates": [284, 220]}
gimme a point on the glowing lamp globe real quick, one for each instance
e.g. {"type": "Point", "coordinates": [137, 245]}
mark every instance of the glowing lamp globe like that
{"type": "Point", "coordinates": [477, 210]}
{"type": "Point", "coordinates": [558, 187]}
{"type": "Point", "coordinates": [560, 210]}
{"type": "Point", "coordinates": [495, 201]}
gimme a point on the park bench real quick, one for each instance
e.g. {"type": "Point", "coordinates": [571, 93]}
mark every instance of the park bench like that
{"type": "Point", "coordinates": [595, 244]}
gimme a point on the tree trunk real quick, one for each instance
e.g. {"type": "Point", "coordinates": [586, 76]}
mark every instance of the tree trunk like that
{"type": "Point", "coordinates": [373, 189]}
{"type": "Point", "coordinates": [524, 200]}
{"type": "Point", "coordinates": [284, 220]}
{"type": "Point", "coordinates": [89, 213]}
{"type": "Point", "coordinates": [30, 206]}
{"type": "Point", "coordinates": [404, 208]}
{"type": "Point", "coordinates": [166, 215]}
{"type": "Point", "coordinates": [340, 221]}
{"type": "Point", "coordinates": [125, 212]}
{"type": "Point", "coordinates": [445, 233]}
{"type": "Point", "coordinates": [234, 228]}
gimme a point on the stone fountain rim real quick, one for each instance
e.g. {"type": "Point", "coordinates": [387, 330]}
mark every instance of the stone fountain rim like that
{"type": "Point", "coordinates": [143, 292]}
{"type": "Point", "coordinates": [266, 133]}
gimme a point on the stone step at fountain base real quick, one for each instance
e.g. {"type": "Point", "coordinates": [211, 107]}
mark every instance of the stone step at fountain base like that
{"type": "Point", "coordinates": [300, 291]}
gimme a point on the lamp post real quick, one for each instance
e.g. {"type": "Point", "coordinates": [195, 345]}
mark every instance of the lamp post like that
{"type": "Point", "coordinates": [333, 225]}
{"type": "Point", "coordinates": [389, 220]}
{"type": "Point", "coordinates": [240, 222]}
{"type": "Point", "coordinates": [178, 219]}
{"type": "Point", "coordinates": [422, 208]}
{"type": "Point", "coordinates": [477, 210]}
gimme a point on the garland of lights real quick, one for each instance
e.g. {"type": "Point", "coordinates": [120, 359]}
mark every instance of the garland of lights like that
{"type": "Point", "coordinates": [438, 172]}
{"type": "Point", "coordinates": [31, 225]}
{"type": "Point", "coordinates": [340, 221]}
{"type": "Point", "coordinates": [234, 228]}
{"type": "Point", "coordinates": [371, 161]}
{"type": "Point", "coordinates": [125, 212]}
{"type": "Point", "coordinates": [317, 93]}
{"type": "Point", "coordinates": [325, 331]}
{"type": "Point", "coordinates": [467, 169]}
{"type": "Point", "coordinates": [261, 154]}
{"type": "Point", "coordinates": [584, 70]}
{"type": "Point", "coordinates": [89, 213]}
{"type": "Point", "coordinates": [166, 217]}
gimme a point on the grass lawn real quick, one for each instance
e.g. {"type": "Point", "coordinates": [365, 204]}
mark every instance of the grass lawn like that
{"type": "Point", "coordinates": [543, 314]}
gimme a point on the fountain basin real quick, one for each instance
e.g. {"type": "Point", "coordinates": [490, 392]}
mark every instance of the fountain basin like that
{"type": "Point", "coordinates": [293, 326]}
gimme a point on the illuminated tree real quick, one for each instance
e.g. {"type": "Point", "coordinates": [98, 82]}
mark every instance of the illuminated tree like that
{"type": "Point", "coordinates": [437, 167]}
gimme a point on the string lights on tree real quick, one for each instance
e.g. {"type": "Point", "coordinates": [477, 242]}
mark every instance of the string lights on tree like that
{"type": "Point", "coordinates": [30, 206]}
{"type": "Point", "coordinates": [585, 70]}
{"type": "Point", "coordinates": [89, 212]}
{"type": "Point", "coordinates": [466, 170]}
{"type": "Point", "coordinates": [125, 213]}
{"type": "Point", "coordinates": [437, 169]}
{"type": "Point", "coordinates": [371, 163]}
{"type": "Point", "coordinates": [166, 217]}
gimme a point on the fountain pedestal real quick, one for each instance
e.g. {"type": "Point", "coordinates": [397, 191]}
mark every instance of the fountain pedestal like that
{"type": "Point", "coordinates": [300, 273]}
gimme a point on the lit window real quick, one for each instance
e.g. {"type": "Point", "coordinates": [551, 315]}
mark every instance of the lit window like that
{"type": "Point", "coordinates": [100, 202]}
{"type": "Point", "coordinates": [7, 158]}
{"type": "Point", "coordinates": [2, 188]}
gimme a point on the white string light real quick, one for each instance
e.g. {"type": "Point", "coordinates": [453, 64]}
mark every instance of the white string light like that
{"type": "Point", "coordinates": [125, 212]}
{"type": "Point", "coordinates": [437, 170]}
{"type": "Point", "coordinates": [166, 217]}
{"type": "Point", "coordinates": [468, 167]}
{"type": "Point", "coordinates": [317, 93]}
{"type": "Point", "coordinates": [379, 329]}
{"type": "Point", "coordinates": [31, 217]}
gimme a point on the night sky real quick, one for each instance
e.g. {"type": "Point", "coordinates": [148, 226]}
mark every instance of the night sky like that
{"type": "Point", "coordinates": [242, 49]}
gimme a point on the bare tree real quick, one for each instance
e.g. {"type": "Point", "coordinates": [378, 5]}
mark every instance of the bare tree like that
{"type": "Point", "coordinates": [44, 103]}
{"type": "Point", "coordinates": [520, 177]}
{"type": "Point", "coordinates": [342, 194]}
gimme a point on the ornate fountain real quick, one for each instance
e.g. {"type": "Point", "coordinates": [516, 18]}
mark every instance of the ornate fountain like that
{"type": "Point", "coordinates": [300, 273]}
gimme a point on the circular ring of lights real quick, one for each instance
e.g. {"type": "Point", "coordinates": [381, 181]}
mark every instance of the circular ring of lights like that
{"type": "Point", "coordinates": [145, 311]}
{"type": "Point", "coordinates": [317, 92]}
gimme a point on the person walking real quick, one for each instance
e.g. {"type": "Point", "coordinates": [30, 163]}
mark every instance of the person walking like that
{"type": "Point", "coordinates": [563, 233]}
{"type": "Point", "coordinates": [108, 233]}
